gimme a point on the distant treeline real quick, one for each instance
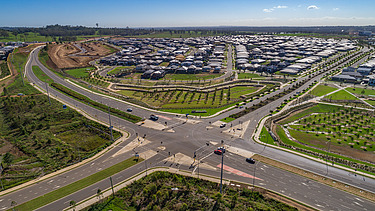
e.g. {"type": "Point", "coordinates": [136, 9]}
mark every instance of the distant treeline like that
{"type": "Point", "coordinates": [70, 33]}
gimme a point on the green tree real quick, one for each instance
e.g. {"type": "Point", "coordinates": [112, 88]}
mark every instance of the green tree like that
{"type": "Point", "coordinates": [8, 158]}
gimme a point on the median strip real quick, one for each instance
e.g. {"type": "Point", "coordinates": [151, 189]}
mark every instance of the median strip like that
{"type": "Point", "coordinates": [78, 185]}
{"type": "Point", "coordinates": [41, 76]}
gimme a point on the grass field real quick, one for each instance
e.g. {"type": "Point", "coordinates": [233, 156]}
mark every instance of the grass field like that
{"type": "Point", "coordinates": [76, 186]}
{"type": "Point", "coordinates": [189, 77]}
{"type": "Point", "coordinates": [341, 95]}
{"type": "Point", "coordinates": [41, 75]}
{"type": "Point", "coordinates": [80, 72]}
{"type": "Point", "coordinates": [371, 102]}
{"type": "Point", "coordinates": [248, 75]}
{"type": "Point", "coordinates": [227, 119]}
{"type": "Point", "coordinates": [265, 137]}
{"type": "Point", "coordinates": [119, 69]}
{"type": "Point", "coordinates": [349, 131]}
{"type": "Point", "coordinates": [321, 90]}
{"type": "Point", "coordinates": [29, 37]}
{"type": "Point", "coordinates": [361, 91]}
{"type": "Point", "coordinates": [319, 108]}
{"type": "Point", "coordinates": [186, 99]}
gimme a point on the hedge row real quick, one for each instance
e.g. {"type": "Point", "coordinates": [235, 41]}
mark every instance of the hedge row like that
{"type": "Point", "coordinates": [82, 98]}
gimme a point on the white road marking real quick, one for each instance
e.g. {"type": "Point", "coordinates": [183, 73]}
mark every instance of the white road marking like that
{"type": "Point", "coordinates": [359, 199]}
{"type": "Point", "coordinates": [319, 205]}
{"type": "Point", "coordinates": [357, 203]}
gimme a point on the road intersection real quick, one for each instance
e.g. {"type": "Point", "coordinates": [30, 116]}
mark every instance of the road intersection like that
{"type": "Point", "coordinates": [159, 146]}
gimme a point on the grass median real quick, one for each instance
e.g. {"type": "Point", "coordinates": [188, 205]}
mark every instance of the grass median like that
{"type": "Point", "coordinates": [42, 76]}
{"type": "Point", "coordinates": [84, 99]}
{"type": "Point", "coordinates": [76, 186]}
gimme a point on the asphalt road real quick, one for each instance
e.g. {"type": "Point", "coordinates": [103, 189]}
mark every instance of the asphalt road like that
{"type": "Point", "coordinates": [186, 139]}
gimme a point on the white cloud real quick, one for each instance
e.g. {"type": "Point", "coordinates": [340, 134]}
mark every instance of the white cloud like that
{"type": "Point", "coordinates": [335, 9]}
{"type": "Point", "coordinates": [267, 10]}
{"type": "Point", "coordinates": [312, 7]}
{"type": "Point", "coordinates": [276, 7]}
{"type": "Point", "coordinates": [281, 7]}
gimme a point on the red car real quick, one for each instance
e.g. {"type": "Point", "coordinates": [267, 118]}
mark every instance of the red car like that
{"type": "Point", "coordinates": [218, 152]}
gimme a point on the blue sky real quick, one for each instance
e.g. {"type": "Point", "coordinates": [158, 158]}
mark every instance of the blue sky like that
{"type": "Point", "coordinates": [166, 13]}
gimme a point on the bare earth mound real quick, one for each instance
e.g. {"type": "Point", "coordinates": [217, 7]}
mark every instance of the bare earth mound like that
{"type": "Point", "coordinates": [75, 55]}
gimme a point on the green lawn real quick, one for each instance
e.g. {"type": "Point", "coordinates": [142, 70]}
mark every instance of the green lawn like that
{"type": "Point", "coordinates": [80, 72]}
{"type": "Point", "coordinates": [41, 75]}
{"type": "Point", "coordinates": [319, 108]}
{"type": "Point", "coordinates": [119, 69]}
{"type": "Point", "coordinates": [265, 137]}
{"type": "Point", "coordinates": [321, 90]}
{"type": "Point", "coordinates": [227, 119]}
{"type": "Point", "coordinates": [361, 91]}
{"type": "Point", "coordinates": [371, 102]}
{"type": "Point", "coordinates": [248, 75]}
{"type": "Point", "coordinates": [341, 95]}
{"type": "Point", "coordinates": [76, 186]}
{"type": "Point", "coordinates": [189, 77]}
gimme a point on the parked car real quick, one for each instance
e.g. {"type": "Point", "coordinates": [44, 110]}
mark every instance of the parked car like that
{"type": "Point", "coordinates": [223, 125]}
{"type": "Point", "coordinates": [129, 110]}
{"type": "Point", "coordinates": [218, 152]}
{"type": "Point", "coordinates": [250, 160]}
{"type": "Point", "coordinates": [241, 107]}
{"type": "Point", "coordinates": [154, 117]}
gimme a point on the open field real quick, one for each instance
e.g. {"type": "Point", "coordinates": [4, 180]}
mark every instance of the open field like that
{"type": "Point", "coordinates": [80, 72]}
{"type": "Point", "coordinates": [321, 90]}
{"type": "Point", "coordinates": [361, 91]}
{"type": "Point", "coordinates": [120, 69]}
{"type": "Point", "coordinates": [248, 75]}
{"type": "Point", "coordinates": [154, 192]}
{"type": "Point", "coordinates": [190, 99]}
{"type": "Point", "coordinates": [26, 37]}
{"type": "Point", "coordinates": [344, 131]}
{"type": "Point", "coordinates": [341, 95]}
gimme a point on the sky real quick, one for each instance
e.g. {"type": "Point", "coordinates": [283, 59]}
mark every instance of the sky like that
{"type": "Point", "coordinates": [174, 13]}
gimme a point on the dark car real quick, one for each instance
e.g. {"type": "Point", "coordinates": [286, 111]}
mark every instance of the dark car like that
{"type": "Point", "coordinates": [221, 149]}
{"type": "Point", "coordinates": [129, 110]}
{"type": "Point", "coordinates": [218, 152]}
{"type": "Point", "coordinates": [250, 160]}
{"type": "Point", "coordinates": [154, 117]}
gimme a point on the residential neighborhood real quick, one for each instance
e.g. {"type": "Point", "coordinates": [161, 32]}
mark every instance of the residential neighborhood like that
{"type": "Point", "coordinates": [156, 57]}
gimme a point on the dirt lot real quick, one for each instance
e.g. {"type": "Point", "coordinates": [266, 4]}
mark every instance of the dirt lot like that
{"type": "Point", "coordinates": [69, 55]}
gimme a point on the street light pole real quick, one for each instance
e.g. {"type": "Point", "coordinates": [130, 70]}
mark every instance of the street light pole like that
{"type": "Point", "coordinates": [221, 174]}
{"type": "Point", "coordinates": [49, 99]}
{"type": "Point", "coordinates": [110, 124]}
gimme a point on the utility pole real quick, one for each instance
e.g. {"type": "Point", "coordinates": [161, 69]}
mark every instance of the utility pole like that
{"type": "Point", "coordinates": [49, 99]}
{"type": "Point", "coordinates": [221, 174]}
{"type": "Point", "coordinates": [19, 66]}
{"type": "Point", "coordinates": [110, 124]}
